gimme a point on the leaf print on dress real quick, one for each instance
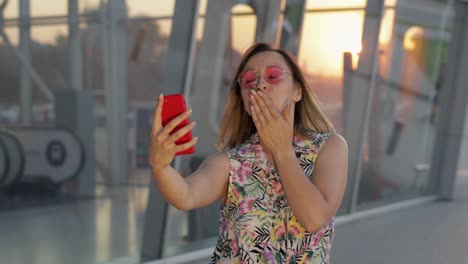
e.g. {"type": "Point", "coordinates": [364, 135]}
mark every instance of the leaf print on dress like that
{"type": "Point", "coordinates": [257, 219]}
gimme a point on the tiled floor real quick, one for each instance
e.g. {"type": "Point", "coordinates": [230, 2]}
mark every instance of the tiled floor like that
{"type": "Point", "coordinates": [108, 230]}
{"type": "Point", "coordinates": [82, 232]}
{"type": "Point", "coordinates": [429, 234]}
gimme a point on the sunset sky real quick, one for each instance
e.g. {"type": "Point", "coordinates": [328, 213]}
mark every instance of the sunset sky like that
{"type": "Point", "coordinates": [325, 35]}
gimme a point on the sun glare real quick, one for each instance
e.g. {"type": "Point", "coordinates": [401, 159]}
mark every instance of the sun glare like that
{"type": "Point", "coordinates": [326, 37]}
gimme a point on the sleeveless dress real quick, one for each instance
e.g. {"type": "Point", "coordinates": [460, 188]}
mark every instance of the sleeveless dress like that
{"type": "Point", "coordinates": [257, 225]}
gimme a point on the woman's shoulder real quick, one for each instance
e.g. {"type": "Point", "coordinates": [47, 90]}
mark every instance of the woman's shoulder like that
{"type": "Point", "coordinates": [335, 138]}
{"type": "Point", "coordinates": [333, 144]}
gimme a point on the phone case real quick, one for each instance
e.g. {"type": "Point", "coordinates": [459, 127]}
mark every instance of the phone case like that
{"type": "Point", "coordinates": [173, 106]}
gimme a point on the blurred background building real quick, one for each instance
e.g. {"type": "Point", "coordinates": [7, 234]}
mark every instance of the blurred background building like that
{"type": "Point", "coordinates": [79, 80]}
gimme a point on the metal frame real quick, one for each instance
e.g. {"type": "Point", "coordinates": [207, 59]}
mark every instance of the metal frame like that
{"type": "Point", "coordinates": [180, 67]}
{"type": "Point", "coordinates": [453, 100]}
{"type": "Point", "coordinates": [356, 120]}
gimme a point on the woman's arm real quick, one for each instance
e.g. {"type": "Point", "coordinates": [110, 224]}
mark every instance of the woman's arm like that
{"type": "Point", "coordinates": [201, 188]}
{"type": "Point", "coordinates": [315, 202]}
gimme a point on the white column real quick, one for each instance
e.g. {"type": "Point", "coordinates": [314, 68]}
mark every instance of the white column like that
{"type": "Point", "coordinates": [115, 68]}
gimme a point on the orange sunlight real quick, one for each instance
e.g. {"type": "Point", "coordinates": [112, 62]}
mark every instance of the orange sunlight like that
{"type": "Point", "coordinates": [243, 28]}
{"type": "Point", "coordinates": [326, 36]}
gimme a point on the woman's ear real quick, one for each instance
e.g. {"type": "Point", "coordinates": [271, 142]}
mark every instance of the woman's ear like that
{"type": "Point", "coordinates": [297, 93]}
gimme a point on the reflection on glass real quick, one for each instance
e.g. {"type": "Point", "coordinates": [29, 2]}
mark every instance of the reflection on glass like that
{"type": "Point", "coordinates": [386, 35]}
{"type": "Point", "coordinates": [399, 140]}
{"type": "Point", "coordinates": [103, 224]}
{"type": "Point", "coordinates": [399, 143]}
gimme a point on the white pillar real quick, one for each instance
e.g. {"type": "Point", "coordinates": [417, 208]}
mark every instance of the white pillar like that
{"type": "Point", "coordinates": [115, 68]}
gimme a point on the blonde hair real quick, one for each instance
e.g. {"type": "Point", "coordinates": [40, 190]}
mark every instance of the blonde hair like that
{"type": "Point", "coordinates": [237, 125]}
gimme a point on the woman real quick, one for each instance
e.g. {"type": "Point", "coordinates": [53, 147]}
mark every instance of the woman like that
{"type": "Point", "coordinates": [280, 174]}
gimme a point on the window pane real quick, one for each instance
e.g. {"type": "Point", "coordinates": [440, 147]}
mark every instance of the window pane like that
{"type": "Point", "coordinates": [400, 136]}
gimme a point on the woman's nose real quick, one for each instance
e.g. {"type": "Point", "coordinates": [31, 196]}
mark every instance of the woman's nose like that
{"type": "Point", "coordinates": [262, 84]}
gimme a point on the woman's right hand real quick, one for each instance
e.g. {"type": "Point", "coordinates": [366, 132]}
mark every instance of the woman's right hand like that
{"type": "Point", "coordinates": [162, 145]}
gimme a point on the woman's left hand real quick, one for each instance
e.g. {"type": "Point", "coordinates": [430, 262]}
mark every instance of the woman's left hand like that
{"type": "Point", "coordinates": [275, 129]}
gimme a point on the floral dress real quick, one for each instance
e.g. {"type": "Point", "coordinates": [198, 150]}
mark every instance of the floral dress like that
{"type": "Point", "coordinates": [257, 225]}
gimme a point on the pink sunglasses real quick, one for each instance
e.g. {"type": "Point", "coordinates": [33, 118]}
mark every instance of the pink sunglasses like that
{"type": "Point", "coordinates": [272, 74]}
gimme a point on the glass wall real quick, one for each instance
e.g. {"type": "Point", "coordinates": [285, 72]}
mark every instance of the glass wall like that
{"type": "Point", "coordinates": [330, 29]}
{"type": "Point", "coordinates": [219, 48]}
{"type": "Point", "coordinates": [60, 224]}
{"type": "Point", "coordinates": [412, 54]}
{"type": "Point", "coordinates": [400, 136]}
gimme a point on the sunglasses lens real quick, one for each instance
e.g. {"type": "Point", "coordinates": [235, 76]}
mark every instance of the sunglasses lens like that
{"type": "Point", "coordinates": [273, 74]}
{"type": "Point", "coordinates": [248, 79]}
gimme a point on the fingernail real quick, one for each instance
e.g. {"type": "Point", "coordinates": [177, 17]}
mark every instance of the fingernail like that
{"type": "Point", "coordinates": [254, 92]}
{"type": "Point", "coordinates": [196, 138]}
{"type": "Point", "coordinates": [161, 95]}
{"type": "Point", "coordinates": [194, 123]}
{"type": "Point", "coordinates": [190, 111]}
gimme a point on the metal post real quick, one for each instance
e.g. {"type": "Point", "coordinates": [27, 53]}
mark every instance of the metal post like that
{"type": "Point", "coordinates": [268, 20]}
{"type": "Point", "coordinates": [179, 74]}
{"type": "Point", "coordinates": [453, 100]}
{"type": "Point", "coordinates": [74, 62]}
{"type": "Point", "coordinates": [104, 33]}
{"type": "Point", "coordinates": [292, 25]}
{"type": "Point", "coordinates": [356, 120]}
{"type": "Point", "coordinates": [115, 64]}
{"type": "Point", "coordinates": [348, 73]}
{"type": "Point", "coordinates": [25, 77]}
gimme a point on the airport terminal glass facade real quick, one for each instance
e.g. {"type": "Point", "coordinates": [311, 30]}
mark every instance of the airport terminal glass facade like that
{"type": "Point", "coordinates": [122, 54]}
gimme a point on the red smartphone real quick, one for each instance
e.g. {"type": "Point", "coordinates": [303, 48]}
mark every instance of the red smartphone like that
{"type": "Point", "coordinates": [173, 106]}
